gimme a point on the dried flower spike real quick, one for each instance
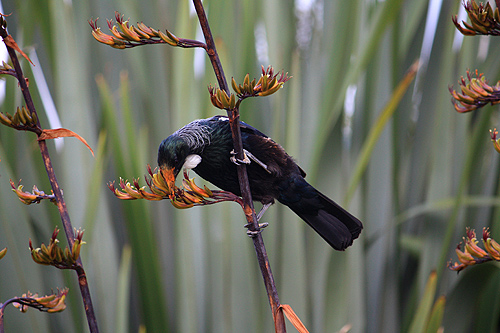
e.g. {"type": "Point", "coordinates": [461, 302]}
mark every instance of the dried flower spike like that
{"type": "Point", "coordinates": [475, 93]}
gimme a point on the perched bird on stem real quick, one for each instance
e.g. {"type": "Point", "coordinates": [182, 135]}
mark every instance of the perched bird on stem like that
{"type": "Point", "coordinates": [206, 146]}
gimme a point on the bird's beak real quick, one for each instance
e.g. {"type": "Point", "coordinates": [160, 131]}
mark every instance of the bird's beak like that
{"type": "Point", "coordinates": [169, 176]}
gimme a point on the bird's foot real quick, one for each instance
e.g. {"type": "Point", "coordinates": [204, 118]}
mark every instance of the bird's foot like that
{"type": "Point", "coordinates": [248, 156]}
{"type": "Point", "coordinates": [255, 233]}
{"type": "Point", "coordinates": [237, 161]}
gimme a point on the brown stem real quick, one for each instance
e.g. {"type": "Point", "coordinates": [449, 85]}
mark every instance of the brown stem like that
{"type": "Point", "coordinates": [248, 208]}
{"type": "Point", "coordinates": [61, 204]}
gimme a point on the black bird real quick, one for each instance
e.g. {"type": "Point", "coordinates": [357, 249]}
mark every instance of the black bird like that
{"type": "Point", "coordinates": [206, 146]}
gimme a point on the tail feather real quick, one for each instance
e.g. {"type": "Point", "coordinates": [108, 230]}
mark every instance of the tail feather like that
{"type": "Point", "coordinates": [352, 223]}
{"type": "Point", "coordinates": [338, 232]}
{"type": "Point", "coordinates": [337, 226]}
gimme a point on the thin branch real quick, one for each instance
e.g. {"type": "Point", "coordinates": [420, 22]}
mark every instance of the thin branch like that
{"type": "Point", "coordinates": [8, 72]}
{"type": "Point", "coordinates": [61, 204]}
{"type": "Point", "coordinates": [248, 208]}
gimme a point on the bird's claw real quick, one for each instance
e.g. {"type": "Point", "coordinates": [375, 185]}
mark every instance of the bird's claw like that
{"type": "Point", "coordinates": [255, 233]}
{"type": "Point", "coordinates": [248, 156]}
{"type": "Point", "coordinates": [237, 161]}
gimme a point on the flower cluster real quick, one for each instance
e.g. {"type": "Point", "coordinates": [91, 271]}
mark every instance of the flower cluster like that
{"type": "Point", "coordinates": [472, 253]}
{"type": "Point", "coordinates": [268, 84]}
{"type": "Point", "coordinates": [129, 36]}
{"type": "Point", "coordinates": [483, 20]}
{"type": "Point", "coordinates": [50, 303]}
{"type": "Point", "coordinates": [55, 256]}
{"type": "Point", "coordinates": [34, 197]}
{"type": "Point", "coordinates": [475, 94]}
{"type": "Point", "coordinates": [220, 99]}
{"type": "Point", "coordinates": [22, 119]}
{"type": "Point", "coordinates": [188, 196]}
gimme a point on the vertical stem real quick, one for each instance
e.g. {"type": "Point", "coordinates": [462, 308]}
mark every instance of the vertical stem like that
{"type": "Point", "coordinates": [248, 208]}
{"type": "Point", "coordinates": [211, 50]}
{"type": "Point", "coordinates": [61, 204]}
{"type": "Point", "coordinates": [68, 229]}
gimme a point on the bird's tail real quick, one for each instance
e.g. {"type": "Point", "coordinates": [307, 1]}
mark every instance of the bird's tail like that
{"type": "Point", "coordinates": [332, 222]}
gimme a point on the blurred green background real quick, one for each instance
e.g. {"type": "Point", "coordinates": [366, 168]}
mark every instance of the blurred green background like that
{"type": "Point", "coordinates": [432, 171]}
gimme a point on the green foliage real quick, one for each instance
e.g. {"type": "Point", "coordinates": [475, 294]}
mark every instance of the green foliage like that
{"type": "Point", "coordinates": [430, 172]}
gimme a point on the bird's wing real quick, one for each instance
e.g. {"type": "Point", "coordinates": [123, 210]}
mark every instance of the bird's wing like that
{"type": "Point", "coordinates": [259, 139]}
{"type": "Point", "coordinates": [244, 127]}
{"type": "Point", "coordinates": [265, 141]}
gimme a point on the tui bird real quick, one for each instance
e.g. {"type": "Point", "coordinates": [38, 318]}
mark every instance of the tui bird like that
{"type": "Point", "coordinates": [206, 146]}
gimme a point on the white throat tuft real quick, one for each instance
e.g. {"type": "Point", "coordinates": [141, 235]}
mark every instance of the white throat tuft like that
{"type": "Point", "coordinates": [192, 161]}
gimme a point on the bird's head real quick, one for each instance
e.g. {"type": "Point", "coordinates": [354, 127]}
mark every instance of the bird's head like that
{"type": "Point", "coordinates": [175, 153]}
{"type": "Point", "coordinates": [172, 155]}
